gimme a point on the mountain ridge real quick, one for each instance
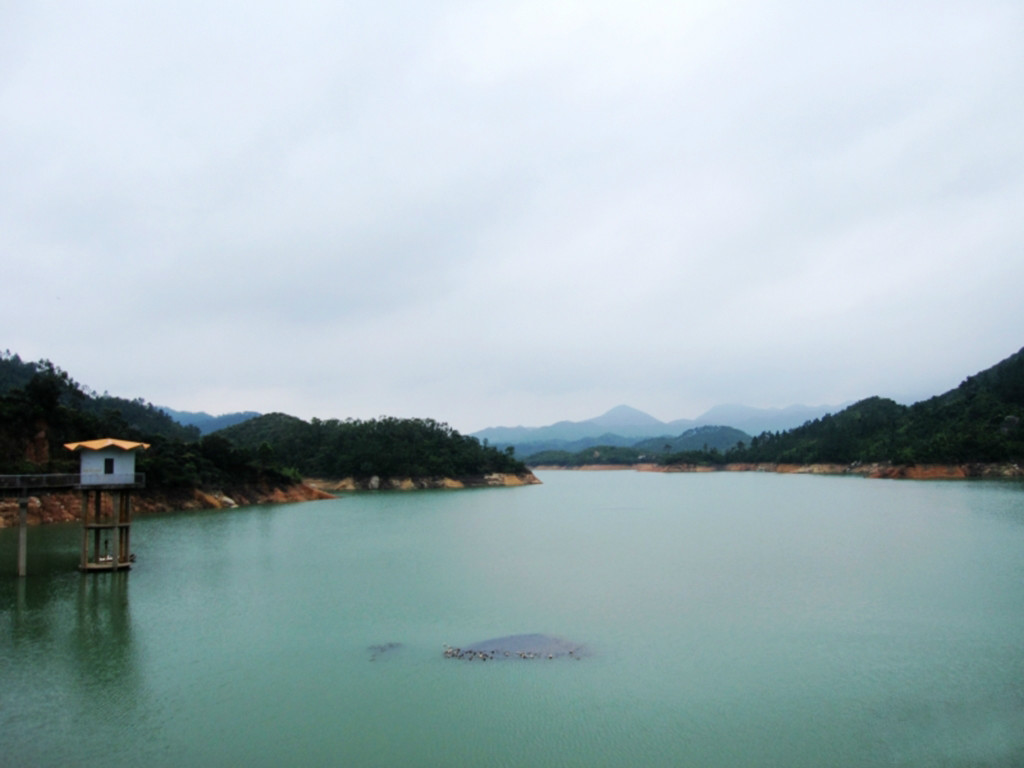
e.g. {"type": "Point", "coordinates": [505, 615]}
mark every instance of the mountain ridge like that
{"type": "Point", "coordinates": [207, 423]}
{"type": "Point", "coordinates": [631, 424]}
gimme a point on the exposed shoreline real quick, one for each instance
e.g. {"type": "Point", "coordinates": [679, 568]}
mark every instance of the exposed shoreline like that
{"type": "Point", "coordinates": [874, 470]}
{"type": "Point", "coordinates": [491, 480]}
{"type": "Point", "coordinates": [66, 506]}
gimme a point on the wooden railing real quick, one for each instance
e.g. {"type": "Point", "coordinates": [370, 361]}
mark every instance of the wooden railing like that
{"type": "Point", "coordinates": [58, 482]}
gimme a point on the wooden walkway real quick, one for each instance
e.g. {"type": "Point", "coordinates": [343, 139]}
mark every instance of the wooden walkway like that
{"type": "Point", "coordinates": [28, 484]}
{"type": "Point", "coordinates": [24, 486]}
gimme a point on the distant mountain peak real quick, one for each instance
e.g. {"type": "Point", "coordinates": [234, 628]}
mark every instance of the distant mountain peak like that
{"type": "Point", "coordinates": [625, 415]}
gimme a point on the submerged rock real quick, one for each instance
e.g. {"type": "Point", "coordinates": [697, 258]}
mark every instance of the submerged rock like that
{"type": "Point", "coordinates": [532, 646]}
{"type": "Point", "coordinates": [376, 651]}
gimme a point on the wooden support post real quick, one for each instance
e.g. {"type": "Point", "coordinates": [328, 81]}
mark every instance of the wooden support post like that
{"type": "Point", "coordinates": [22, 536]}
{"type": "Point", "coordinates": [96, 510]}
{"type": "Point", "coordinates": [127, 530]}
{"type": "Point", "coordinates": [85, 530]}
{"type": "Point", "coordinates": [115, 532]}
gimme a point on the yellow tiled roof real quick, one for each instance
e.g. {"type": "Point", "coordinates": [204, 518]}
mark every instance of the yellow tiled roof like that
{"type": "Point", "coordinates": [105, 442]}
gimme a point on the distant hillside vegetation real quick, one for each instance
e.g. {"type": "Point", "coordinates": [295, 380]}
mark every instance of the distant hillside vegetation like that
{"type": "Point", "coordinates": [386, 447]}
{"type": "Point", "coordinates": [979, 421]}
{"type": "Point", "coordinates": [526, 450]}
{"type": "Point", "coordinates": [598, 454]}
{"type": "Point", "coordinates": [696, 439]}
{"type": "Point", "coordinates": [615, 449]}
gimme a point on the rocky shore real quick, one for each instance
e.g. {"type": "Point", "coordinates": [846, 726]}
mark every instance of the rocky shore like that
{"type": "Point", "coordinates": [603, 467]}
{"type": "Point", "coordinates": [493, 480]}
{"type": "Point", "coordinates": [66, 506]}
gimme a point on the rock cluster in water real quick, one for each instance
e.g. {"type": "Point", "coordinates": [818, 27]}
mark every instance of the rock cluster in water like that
{"type": "Point", "coordinates": [525, 647]}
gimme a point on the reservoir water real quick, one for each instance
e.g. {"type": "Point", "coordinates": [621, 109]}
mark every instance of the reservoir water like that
{"type": "Point", "coordinates": [731, 620]}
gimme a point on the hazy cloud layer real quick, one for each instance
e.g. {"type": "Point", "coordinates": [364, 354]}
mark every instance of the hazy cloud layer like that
{"type": "Point", "coordinates": [513, 212]}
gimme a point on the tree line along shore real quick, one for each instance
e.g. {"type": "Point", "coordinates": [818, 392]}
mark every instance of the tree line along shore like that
{"type": "Point", "coordinates": [974, 430]}
{"type": "Point", "coordinates": [262, 460]}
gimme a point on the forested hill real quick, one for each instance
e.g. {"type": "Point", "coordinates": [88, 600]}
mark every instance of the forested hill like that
{"type": "Point", "coordinates": [979, 421]}
{"type": "Point", "coordinates": [384, 447]}
{"type": "Point", "coordinates": [42, 407]}
{"type": "Point", "coordinates": [45, 381]}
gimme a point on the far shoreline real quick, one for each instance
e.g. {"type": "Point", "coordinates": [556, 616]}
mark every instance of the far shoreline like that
{"type": "Point", "coordinates": [876, 470]}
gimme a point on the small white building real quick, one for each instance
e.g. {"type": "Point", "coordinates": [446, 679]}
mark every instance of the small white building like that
{"type": "Point", "coordinates": [107, 461]}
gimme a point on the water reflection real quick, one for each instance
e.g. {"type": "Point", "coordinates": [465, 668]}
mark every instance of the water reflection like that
{"type": "Point", "coordinates": [75, 632]}
{"type": "Point", "coordinates": [102, 638]}
{"type": "Point", "coordinates": [33, 605]}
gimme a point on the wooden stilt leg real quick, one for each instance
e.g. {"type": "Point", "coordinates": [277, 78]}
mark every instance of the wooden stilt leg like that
{"type": "Point", "coordinates": [128, 529]}
{"type": "Point", "coordinates": [22, 536]}
{"type": "Point", "coordinates": [85, 530]}
{"type": "Point", "coordinates": [116, 510]}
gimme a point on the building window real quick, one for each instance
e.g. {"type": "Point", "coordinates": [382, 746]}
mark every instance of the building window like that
{"type": "Point", "coordinates": [108, 466]}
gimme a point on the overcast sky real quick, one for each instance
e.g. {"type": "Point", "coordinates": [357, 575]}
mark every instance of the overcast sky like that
{"type": "Point", "coordinates": [503, 213]}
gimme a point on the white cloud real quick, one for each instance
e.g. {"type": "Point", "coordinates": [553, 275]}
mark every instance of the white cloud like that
{"type": "Point", "coordinates": [511, 213]}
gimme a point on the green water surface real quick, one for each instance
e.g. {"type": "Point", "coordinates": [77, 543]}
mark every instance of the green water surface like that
{"type": "Point", "coordinates": [732, 619]}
